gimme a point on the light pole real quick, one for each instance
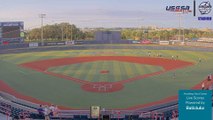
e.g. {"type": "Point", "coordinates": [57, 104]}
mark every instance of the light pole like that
{"type": "Point", "coordinates": [62, 33]}
{"type": "Point", "coordinates": [42, 16]}
{"type": "Point", "coordinates": [71, 32]}
{"type": "Point", "coordinates": [140, 23]}
{"type": "Point", "coordinates": [179, 26]}
{"type": "Point", "coordinates": [180, 20]}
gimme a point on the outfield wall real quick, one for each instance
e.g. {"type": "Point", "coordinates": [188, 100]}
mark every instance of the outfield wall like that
{"type": "Point", "coordinates": [111, 46]}
{"type": "Point", "coordinates": [200, 44]}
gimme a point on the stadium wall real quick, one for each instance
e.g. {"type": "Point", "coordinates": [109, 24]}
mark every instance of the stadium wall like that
{"type": "Point", "coordinates": [85, 47]}
{"type": "Point", "coordinates": [200, 44]}
{"type": "Point", "coordinates": [109, 36]}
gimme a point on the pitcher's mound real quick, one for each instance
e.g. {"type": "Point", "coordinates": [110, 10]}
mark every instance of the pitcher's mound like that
{"type": "Point", "coordinates": [104, 71]}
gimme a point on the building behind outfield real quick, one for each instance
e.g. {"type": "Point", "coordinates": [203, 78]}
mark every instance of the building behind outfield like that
{"type": "Point", "coordinates": [108, 36]}
{"type": "Point", "coordinates": [105, 37]}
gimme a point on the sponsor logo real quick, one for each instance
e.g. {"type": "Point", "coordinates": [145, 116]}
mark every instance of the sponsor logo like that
{"type": "Point", "coordinates": [178, 8]}
{"type": "Point", "coordinates": [205, 18]}
{"type": "Point", "coordinates": [205, 8]}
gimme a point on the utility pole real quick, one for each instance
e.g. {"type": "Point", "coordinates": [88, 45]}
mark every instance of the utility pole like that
{"type": "Point", "coordinates": [179, 36]}
{"type": "Point", "coordinates": [140, 23]}
{"type": "Point", "coordinates": [42, 16]}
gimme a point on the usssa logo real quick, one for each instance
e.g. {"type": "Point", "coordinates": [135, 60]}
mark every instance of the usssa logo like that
{"type": "Point", "coordinates": [178, 8]}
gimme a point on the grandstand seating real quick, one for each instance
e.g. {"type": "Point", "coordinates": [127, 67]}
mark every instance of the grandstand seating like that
{"type": "Point", "coordinates": [18, 108]}
{"type": "Point", "coordinates": [12, 107]}
{"type": "Point", "coordinates": [4, 117]}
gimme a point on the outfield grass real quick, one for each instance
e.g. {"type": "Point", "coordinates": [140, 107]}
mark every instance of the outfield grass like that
{"type": "Point", "coordinates": [68, 93]}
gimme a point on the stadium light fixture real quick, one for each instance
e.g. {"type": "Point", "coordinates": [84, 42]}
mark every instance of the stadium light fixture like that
{"type": "Point", "coordinates": [180, 21]}
{"type": "Point", "coordinates": [140, 25]}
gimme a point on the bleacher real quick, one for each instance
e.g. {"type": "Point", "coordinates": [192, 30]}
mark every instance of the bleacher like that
{"type": "Point", "coordinates": [18, 109]}
{"type": "Point", "coordinates": [15, 108]}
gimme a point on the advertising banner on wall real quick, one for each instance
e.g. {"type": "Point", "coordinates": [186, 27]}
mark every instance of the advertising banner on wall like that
{"type": "Point", "coordinates": [195, 105]}
{"type": "Point", "coordinates": [34, 44]}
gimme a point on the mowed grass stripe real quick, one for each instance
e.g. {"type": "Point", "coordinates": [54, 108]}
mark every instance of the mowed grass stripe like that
{"type": "Point", "coordinates": [78, 73]}
{"type": "Point", "coordinates": [123, 71]}
{"type": "Point", "coordinates": [128, 70]}
{"type": "Point", "coordinates": [151, 69]}
{"type": "Point", "coordinates": [100, 77]}
{"type": "Point", "coordinates": [141, 69]}
{"type": "Point", "coordinates": [147, 69]}
{"type": "Point", "coordinates": [117, 71]}
{"type": "Point", "coordinates": [66, 70]}
{"type": "Point", "coordinates": [104, 76]}
{"type": "Point", "coordinates": [97, 71]}
{"type": "Point", "coordinates": [91, 73]}
{"type": "Point", "coordinates": [105, 67]}
{"type": "Point", "coordinates": [85, 72]}
{"type": "Point", "coordinates": [111, 73]}
{"type": "Point", "coordinates": [73, 69]}
{"type": "Point", "coordinates": [135, 69]}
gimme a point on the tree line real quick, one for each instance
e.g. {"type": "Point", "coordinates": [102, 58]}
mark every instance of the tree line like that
{"type": "Point", "coordinates": [67, 31]}
{"type": "Point", "coordinates": [174, 34]}
{"type": "Point", "coordinates": [58, 32]}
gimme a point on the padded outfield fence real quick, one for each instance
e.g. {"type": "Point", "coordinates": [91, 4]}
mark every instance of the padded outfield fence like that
{"type": "Point", "coordinates": [21, 48]}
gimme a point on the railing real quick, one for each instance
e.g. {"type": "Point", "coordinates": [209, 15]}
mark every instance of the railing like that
{"type": "Point", "coordinates": [7, 107]}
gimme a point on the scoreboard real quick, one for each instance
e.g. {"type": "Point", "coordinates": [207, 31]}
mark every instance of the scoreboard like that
{"type": "Point", "coordinates": [11, 32]}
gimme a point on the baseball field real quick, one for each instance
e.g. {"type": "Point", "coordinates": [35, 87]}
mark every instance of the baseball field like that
{"type": "Point", "coordinates": [111, 78]}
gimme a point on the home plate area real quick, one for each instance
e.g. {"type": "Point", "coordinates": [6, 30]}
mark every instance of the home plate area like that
{"type": "Point", "coordinates": [102, 87]}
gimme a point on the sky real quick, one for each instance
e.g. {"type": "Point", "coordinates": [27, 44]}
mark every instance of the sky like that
{"type": "Point", "coordinates": [100, 13]}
